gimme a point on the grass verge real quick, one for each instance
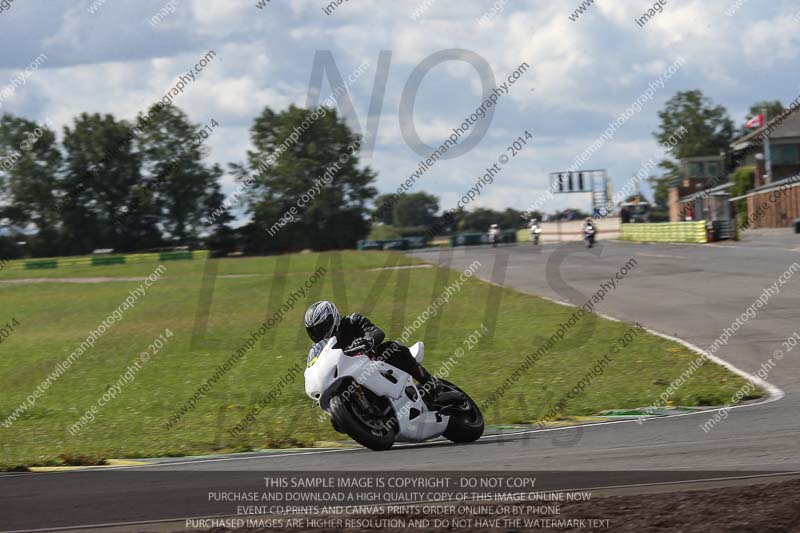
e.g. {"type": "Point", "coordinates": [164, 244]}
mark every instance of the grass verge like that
{"type": "Point", "coordinates": [210, 325]}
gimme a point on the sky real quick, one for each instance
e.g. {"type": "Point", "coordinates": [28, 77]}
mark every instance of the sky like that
{"type": "Point", "coordinates": [113, 56]}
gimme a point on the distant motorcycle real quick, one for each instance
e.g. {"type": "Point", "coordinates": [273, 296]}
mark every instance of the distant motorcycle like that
{"type": "Point", "coordinates": [535, 232]}
{"type": "Point", "coordinates": [377, 404]}
{"type": "Point", "coordinates": [494, 234]}
{"type": "Point", "coordinates": [589, 235]}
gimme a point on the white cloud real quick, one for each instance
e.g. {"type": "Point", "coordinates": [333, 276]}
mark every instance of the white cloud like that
{"type": "Point", "coordinates": [581, 73]}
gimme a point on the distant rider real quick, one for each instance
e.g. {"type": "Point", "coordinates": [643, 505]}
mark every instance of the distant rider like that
{"type": "Point", "coordinates": [494, 234]}
{"type": "Point", "coordinates": [323, 321]}
{"type": "Point", "coordinates": [535, 229]}
{"type": "Point", "coordinates": [589, 232]}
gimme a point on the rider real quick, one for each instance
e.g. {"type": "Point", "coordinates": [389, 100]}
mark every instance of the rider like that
{"type": "Point", "coordinates": [323, 321]}
{"type": "Point", "coordinates": [494, 234]}
{"type": "Point", "coordinates": [589, 224]}
{"type": "Point", "coordinates": [535, 230]}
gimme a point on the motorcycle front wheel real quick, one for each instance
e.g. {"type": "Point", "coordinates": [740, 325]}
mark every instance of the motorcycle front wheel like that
{"type": "Point", "coordinates": [466, 421]}
{"type": "Point", "coordinates": [363, 425]}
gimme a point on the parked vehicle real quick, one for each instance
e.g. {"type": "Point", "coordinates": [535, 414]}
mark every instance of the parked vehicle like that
{"type": "Point", "coordinates": [630, 212]}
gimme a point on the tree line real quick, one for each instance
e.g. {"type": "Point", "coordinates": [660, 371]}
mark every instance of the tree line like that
{"type": "Point", "coordinates": [108, 183]}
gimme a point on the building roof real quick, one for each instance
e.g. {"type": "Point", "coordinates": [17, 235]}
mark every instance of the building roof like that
{"type": "Point", "coordinates": [701, 159]}
{"type": "Point", "coordinates": [719, 189]}
{"type": "Point", "coordinates": [792, 180]}
{"type": "Point", "coordinates": [783, 126]}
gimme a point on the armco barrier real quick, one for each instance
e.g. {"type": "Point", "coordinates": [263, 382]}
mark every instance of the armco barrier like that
{"type": "Point", "coordinates": [665, 232]}
{"type": "Point", "coordinates": [406, 243]}
{"type": "Point", "coordinates": [471, 239]}
{"type": "Point", "coordinates": [468, 239]}
{"type": "Point", "coordinates": [100, 260]}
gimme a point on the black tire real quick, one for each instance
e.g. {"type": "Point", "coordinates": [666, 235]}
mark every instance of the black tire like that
{"type": "Point", "coordinates": [349, 422]}
{"type": "Point", "coordinates": [466, 425]}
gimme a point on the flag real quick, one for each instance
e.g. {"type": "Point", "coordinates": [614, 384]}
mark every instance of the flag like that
{"type": "Point", "coordinates": [755, 122]}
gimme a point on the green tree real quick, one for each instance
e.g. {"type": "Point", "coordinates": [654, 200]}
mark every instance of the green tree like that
{"type": "Point", "coordinates": [415, 210]}
{"type": "Point", "coordinates": [383, 232]}
{"type": "Point", "coordinates": [773, 108]}
{"type": "Point", "coordinates": [706, 130]}
{"type": "Point", "coordinates": [305, 187]}
{"type": "Point", "coordinates": [172, 150]}
{"type": "Point", "coordinates": [450, 221]}
{"type": "Point", "coordinates": [513, 219]}
{"type": "Point", "coordinates": [222, 239]}
{"type": "Point", "coordinates": [660, 191]}
{"type": "Point", "coordinates": [709, 129]}
{"type": "Point", "coordinates": [102, 184]}
{"type": "Point", "coordinates": [29, 181]}
{"type": "Point", "coordinates": [384, 215]}
{"type": "Point", "coordinates": [743, 180]}
{"type": "Point", "coordinates": [480, 219]}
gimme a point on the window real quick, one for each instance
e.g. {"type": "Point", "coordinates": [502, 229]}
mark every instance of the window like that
{"type": "Point", "coordinates": [696, 170]}
{"type": "Point", "coordinates": [712, 168]}
{"type": "Point", "coordinates": [785, 154]}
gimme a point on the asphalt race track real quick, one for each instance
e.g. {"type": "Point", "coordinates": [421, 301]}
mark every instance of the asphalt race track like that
{"type": "Point", "coordinates": [691, 292]}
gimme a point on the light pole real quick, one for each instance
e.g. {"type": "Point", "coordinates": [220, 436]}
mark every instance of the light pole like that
{"type": "Point", "coordinates": [767, 155]}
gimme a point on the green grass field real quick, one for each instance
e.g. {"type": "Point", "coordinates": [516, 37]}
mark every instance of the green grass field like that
{"type": "Point", "coordinates": [54, 318]}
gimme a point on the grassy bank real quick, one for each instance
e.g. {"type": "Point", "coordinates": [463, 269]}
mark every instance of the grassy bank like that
{"type": "Point", "coordinates": [210, 325]}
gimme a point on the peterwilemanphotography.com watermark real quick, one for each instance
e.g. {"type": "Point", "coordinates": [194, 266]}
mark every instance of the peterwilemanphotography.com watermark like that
{"type": "Point", "coordinates": [247, 346]}
{"type": "Point", "coordinates": [87, 344]}
{"type": "Point", "coordinates": [125, 378]}
{"type": "Point", "coordinates": [351, 265]}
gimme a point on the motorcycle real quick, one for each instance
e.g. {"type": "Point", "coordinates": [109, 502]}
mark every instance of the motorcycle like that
{"type": "Point", "coordinates": [535, 232]}
{"type": "Point", "coordinates": [494, 236]}
{"type": "Point", "coordinates": [377, 404]}
{"type": "Point", "coordinates": [588, 236]}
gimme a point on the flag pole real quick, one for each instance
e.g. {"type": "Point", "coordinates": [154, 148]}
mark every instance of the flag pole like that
{"type": "Point", "coordinates": [767, 155]}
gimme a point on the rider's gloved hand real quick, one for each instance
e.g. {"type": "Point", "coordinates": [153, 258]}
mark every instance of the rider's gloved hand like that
{"type": "Point", "coordinates": [368, 343]}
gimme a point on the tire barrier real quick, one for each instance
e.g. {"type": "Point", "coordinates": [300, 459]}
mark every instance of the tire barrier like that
{"type": "Point", "coordinates": [406, 243]}
{"type": "Point", "coordinates": [104, 260]}
{"type": "Point", "coordinates": [507, 236]}
{"type": "Point", "coordinates": [108, 260]}
{"type": "Point", "coordinates": [35, 265]}
{"type": "Point", "coordinates": [694, 232]}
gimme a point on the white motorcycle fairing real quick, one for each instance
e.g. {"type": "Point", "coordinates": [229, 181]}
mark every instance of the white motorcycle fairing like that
{"type": "Point", "coordinates": [332, 372]}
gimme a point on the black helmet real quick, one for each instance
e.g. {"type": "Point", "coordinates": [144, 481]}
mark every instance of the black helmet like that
{"type": "Point", "coordinates": [322, 320]}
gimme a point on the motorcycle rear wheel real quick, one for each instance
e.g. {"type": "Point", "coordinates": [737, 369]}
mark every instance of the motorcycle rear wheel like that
{"type": "Point", "coordinates": [370, 432]}
{"type": "Point", "coordinates": [465, 424]}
